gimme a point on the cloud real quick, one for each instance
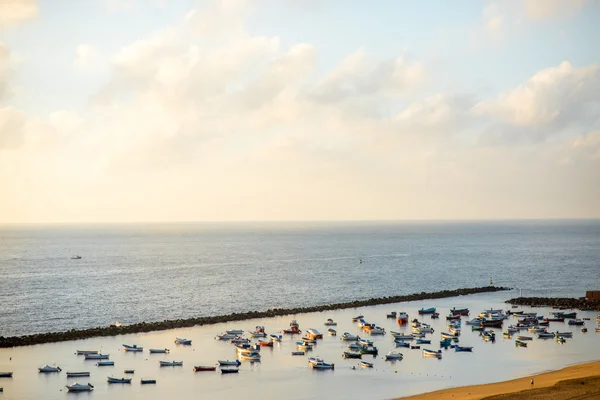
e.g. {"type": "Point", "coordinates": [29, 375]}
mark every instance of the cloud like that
{"type": "Point", "coordinates": [493, 20]}
{"type": "Point", "coordinates": [85, 56]}
{"type": "Point", "coordinates": [549, 9]}
{"type": "Point", "coordinates": [12, 122]}
{"type": "Point", "coordinates": [14, 12]}
{"type": "Point", "coordinates": [557, 96]}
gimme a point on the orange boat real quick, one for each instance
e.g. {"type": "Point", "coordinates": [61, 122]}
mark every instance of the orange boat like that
{"type": "Point", "coordinates": [265, 344]}
{"type": "Point", "coordinates": [402, 318]}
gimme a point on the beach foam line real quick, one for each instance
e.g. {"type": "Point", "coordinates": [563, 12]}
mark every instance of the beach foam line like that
{"type": "Point", "coordinates": [514, 386]}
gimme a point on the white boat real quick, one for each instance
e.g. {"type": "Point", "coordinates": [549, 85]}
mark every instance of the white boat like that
{"type": "Point", "coordinates": [402, 336]}
{"type": "Point", "coordinates": [314, 360]}
{"type": "Point", "coordinates": [171, 363]}
{"type": "Point", "coordinates": [97, 356]}
{"type": "Point", "coordinates": [314, 334]}
{"type": "Point", "coordinates": [84, 352]}
{"type": "Point", "coordinates": [259, 332]}
{"type": "Point", "coordinates": [304, 346]}
{"type": "Point", "coordinates": [392, 355]}
{"type": "Point", "coordinates": [235, 331]}
{"type": "Point", "coordinates": [348, 337]}
{"type": "Point", "coordinates": [365, 342]}
{"type": "Point", "coordinates": [446, 335]}
{"type": "Point", "coordinates": [229, 363]}
{"type": "Point", "coordinates": [322, 366]}
{"type": "Point", "coordinates": [432, 353]}
{"type": "Point", "coordinates": [105, 363]}
{"type": "Point", "coordinates": [330, 322]}
{"type": "Point", "coordinates": [48, 368]}
{"type": "Point", "coordinates": [226, 336]}
{"type": "Point", "coordinates": [118, 380]}
{"type": "Point", "coordinates": [354, 346]}
{"type": "Point", "coordinates": [377, 331]}
{"type": "Point", "coordinates": [250, 356]}
{"type": "Point", "coordinates": [186, 342]}
{"type": "Point", "coordinates": [275, 338]}
{"type": "Point", "coordinates": [76, 374]}
{"type": "Point", "coordinates": [475, 321]}
{"type": "Point", "coordinates": [366, 364]}
{"type": "Point", "coordinates": [78, 387]}
{"type": "Point", "coordinates": [423, 329]}
{"type": "Point", "coordinates": [159, 351]}
{"type": "Point", "coordinates": [133, 348]}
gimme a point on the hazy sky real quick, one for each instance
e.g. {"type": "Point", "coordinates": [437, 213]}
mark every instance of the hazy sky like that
{"type": "Point", "coordinates": [187, 110]}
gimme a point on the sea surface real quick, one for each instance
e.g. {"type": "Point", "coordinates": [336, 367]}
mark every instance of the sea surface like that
{"type": "Point", "coordinates": [153, 272]}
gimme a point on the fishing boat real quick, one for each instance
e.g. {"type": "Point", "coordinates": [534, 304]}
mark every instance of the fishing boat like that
{"type": "Point", "coordinates": [294, 328]}
{"type": "Point", "coordinates": [263, 343]}
{"type": "Point", "coordinates": [105, 363]}
{"type": "Point", "coordinates": [6, 374]}
{"type": "Point", "coordinates": [304, 346]}
{"type": "Point", "coordinates": [521, 337]}
{"type": "Point", "coordinates": [401, 343]}
{"type": "Point", "coordinates": [229, 370]}
{"type": "Point", "coordinates": [432, 353]}
{"type": "Point", "coordinates": [48, 368]}
{"type": "Point", "coordinates": [229, 363]}
{"type": "Point", "coordinates": [330, 322]}
{"type": "Point", "coordinates": [424, 328]}
{"type": "Point", "coordinates": [250, 356]}
{"type": "Point", "coordinates": [331, 332]}
{"type": "Point", "coordinates": [76, 257]}
{"type": "Point", "coordinates": [298, 353]}
{"type": "Point", "coordinates": [402, 317]}
{"type": "Point", "coordinates": [520, 343]}
{"type": "Point", "coordinates": [322, 366]}
{"type": "Point", "coordinates": [423, 341]}
{"type": "Point", "coordinates": [349, 337]}
{"type": "Point", "coordinates": [247, 347]}
{"type": "Point", "coordinates": [240, 340]}
{"type": "Point", "coordinates": [492, 323]}
{"type": "Point", "coordinates": [453, 317]}
{"type": "Point", "coordinates": [463, 348]}
{"type": "Point", "coordinates": [446, 343]}
{"type": "Point", "coordinates": [401, 336]}
{"type": "Point", "coordinates": [235, 331]}
{"type": "Point", "coordinates": [147, 381]}
{"type": "Point", "coordinates": [77, 374]}
{"type": "Point", "coordinates": [314, 334]}
{"type": "Point", "coordinates": [171, 363]}
{"type": "Point", "coordinates": [129, 371]}
{"type": "Point", "coordinates": [159, 351]}
{"type": "Point", "coordinates": [563, 334]}
{"type": "Point", "coordinates": [275, 338]}
{"type": "Point", "coordinates": [84, 352]}
{"type": "Point", "coordinates": [435, 315]}
{"type": "Point", "coordinates": [118, 380]}
{"type": "Point", "coordinates": [560, 314]}
{"type": "Point", "coordinates": [427, 310]}
{"type": "Point", "coordinates": [391, 315]}
{"type": "Point", "coordinates": [417, 335]}
{"type": "Point", "coordinates": [392, 356]}
{"type": "Point", "coordinates": [555, 319]}
{"type": "Point", "coordinates": [415, 323]}
{"type": "Point", "coordinates": [259, 332]}
{"type": "Point", "coordinates": [460, 311]}
{"type": "Point", "coordinates": [545, 335]}
{"type": "Point", "coordinates": [446, 335]}
{"type": "Point", "coordinates": [78, 387]}
{"type": "Point", "coordinates": [97, 356]}
{"type": "Point", "coordinates": [576, 322]}
{"type": "Point", "coordinates": [351, 354]}
{"type": "Point", "coordinates": [354, 346]}
{"type": "Point", "coordinates": [365, 342]}
{"type": "Point", "coordinates": [366, 364]}
{"type": "Point", "coordinates": [377, 331]}
{"type": "Point", "coordinates": [358, 318]}
{"type": "Point", "coordinates": [186, 342]}
{"type": "Point", "coordinates": [134, 348]}
{"type": "Point", "coordinates": [199, 368]}
{"type": "Point", "coordinates": [369, 350]}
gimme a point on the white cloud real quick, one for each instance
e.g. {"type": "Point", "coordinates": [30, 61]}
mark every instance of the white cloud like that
{"type": "Point", "coordinates": [85, 56]}
{"type": "Point", "coordinates": [493, 20]}
{"type": "Point", "coordinates": [13, 12]}
{"type": "Point", "coordinates": [12, 122]}
{"type": "Point", "coordinates": [548, 9]}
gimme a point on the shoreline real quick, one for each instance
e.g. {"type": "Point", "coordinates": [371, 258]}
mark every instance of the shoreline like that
{"type": "Point", "coordinates": [142, 327]}
{"type": "Point", "coordinates": [516, 388]}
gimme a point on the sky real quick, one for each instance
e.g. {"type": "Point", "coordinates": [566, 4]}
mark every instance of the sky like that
{"type": "Point", "coordinates": [233, 110]}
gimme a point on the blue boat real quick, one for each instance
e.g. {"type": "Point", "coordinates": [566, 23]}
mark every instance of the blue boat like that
{"type": "Point", "coordinates": [427, 310]}
{"type": "Point", "coordinates": [463, 348]}
{"type": "Point", "coordinates": [401, 343]}
{"type": "Point", "coordinates": [423, 341]}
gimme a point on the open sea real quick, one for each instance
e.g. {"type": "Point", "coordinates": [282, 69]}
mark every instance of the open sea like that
{"type": "Point", "coordinates": [133, 273]}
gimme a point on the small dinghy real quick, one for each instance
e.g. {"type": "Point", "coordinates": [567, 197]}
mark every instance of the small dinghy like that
{"type": "Point", "coordinates": [229, 363]}
{"type": "Point", "coordinates": [250, 356]}
{"type": "Point", "coordinates": [84, 352]}
{"type": "Point", "coordinates": [427, 310]}
{"type": "Point", "coordinates": [369, 350]}
{"type": "Point", "coordinates": [229, 370]}
{"type": "Point", "coordinates": [105, 363]}
{"type": "Point", "coordinates": [159, 351]}
{"type": "Point", "coordinates": [171, 363]}
{"type": "Point", "coordinates": [563, 334]}
{"type": "Point", "coordinates": [225, 336]}
{"type": "Point", "coordinates": [330, 322]}
{"type": "Point", "coordinates": [133, 348]}
{"type": "Point", "coordinates": [391, 315]}
{"type": "Point", "coordinates": [520, 343]}
{"type": "Point", "coordinates": [118, 380]}
{"type": "Point", "coordinates": [358, 318]}
{"type": "Point", "coordinates": [351, 354]}
{"type": "Point", "coordinates": [365, 342]}
{"type": "Point", "coordinates": [349, 337]}
{"type": "Point", "coordinates": [322, 366]}
{"type": "Point", "coordinates": [463, 348]}
{"type": "Point", "coordinates": [401, 336]}
{"type": "Point", "coordinates": [97, 356]}
{"type": "Point", "coordinates": [365, 364]}
{"type": "Point", "coordinates": [148, 381]}
{"type": "Point", "coordinates": [6, 374]}
{"type": "Point", "coordinates": [309, 340]}
{"type": "Point", "coordinates": [200, 368]}
{"type": "Point", "coordinates": [561, 339]}
{"type": "Point", "coordinates": [186, 342]}
{"type": "Point", "coordinates": [78, 387]}
{"type": "Point", "coordinates": [401, 343]}
{"type": "Point", "coordinates": [354, 346]}
{"type": "Point", "coordinates": [524, 337]}
{"type": "Point", "coordinates": [393, 356]}
{"type": "Point", "coordinates": [275, 338]}
{"type": "Point", "coordinates": [331, 332]}
{"type": "Point", "coordinates": [545, 335]}
{"type": "Point", "coordinates": [298, 353]}
{"type": "Point", "coordinates": [129, 371]}
{"type": "Point", "coordinates": [432, 353]}
{"type": "Point", "coordinates": [48, 368]}
{"type": "Point", "coordinates": [423, 341]}
{"type": "Point", "coordinates": [235, 331]}
{"type": "Point", "coordinates": [304, 346]}
{"type": "Point", "coordinates": [77, 374]}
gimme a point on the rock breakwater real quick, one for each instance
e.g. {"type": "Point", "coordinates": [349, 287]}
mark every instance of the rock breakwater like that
{"type": "Point", "coordinates": [113, 330]}
{"type": "Point", "coordinates": [557, 302]}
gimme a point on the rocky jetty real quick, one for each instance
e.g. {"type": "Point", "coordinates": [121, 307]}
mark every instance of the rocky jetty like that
{"type": "Point", "coordinates": [113, 330]}
{"type": "Point", "coordinates": [561, 303]}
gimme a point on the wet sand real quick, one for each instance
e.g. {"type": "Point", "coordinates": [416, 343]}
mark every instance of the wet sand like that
{"type": "Point", "coordinates": [562, 384]}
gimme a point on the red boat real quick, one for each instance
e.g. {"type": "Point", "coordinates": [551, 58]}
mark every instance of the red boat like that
{"type": "Point", "coordinates": [204, 368]}
{"type": "Point", "coordinates": [294, 328]}
{"type": "Point", "coordinates": [402, 318]}
{"type": "Point", "coordinates": [265, 344]}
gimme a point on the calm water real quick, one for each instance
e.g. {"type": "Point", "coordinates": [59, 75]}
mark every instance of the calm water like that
{"type": "Point", "coordinates": [282, 376]}
{"type": "Point", "coordinates": [132, 273]}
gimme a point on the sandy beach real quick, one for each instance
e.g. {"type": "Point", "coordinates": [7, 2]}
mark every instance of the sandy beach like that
{"type": "Point", "coordinates": [550, 385]}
